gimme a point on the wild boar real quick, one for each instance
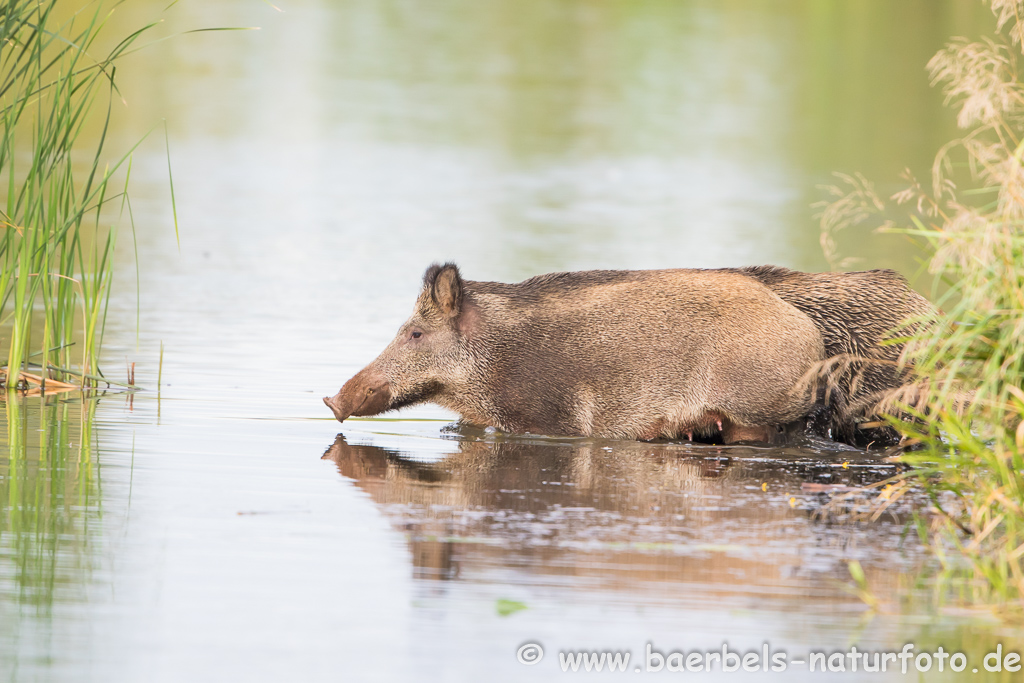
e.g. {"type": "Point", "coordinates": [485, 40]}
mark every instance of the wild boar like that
{"type": "Point", "coordinates": [617, 354]}
{"type": "Point", "coordinates": [854, 312]}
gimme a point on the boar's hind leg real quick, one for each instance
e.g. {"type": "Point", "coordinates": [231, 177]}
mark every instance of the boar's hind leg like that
{"type": "Point", "coordinates": [732, 432]}
{"type": "Point", "coordinates": [655, 430]}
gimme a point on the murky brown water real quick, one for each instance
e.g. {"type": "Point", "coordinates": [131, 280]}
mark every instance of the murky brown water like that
{"type": "Point", "coordinates": [320, 165]}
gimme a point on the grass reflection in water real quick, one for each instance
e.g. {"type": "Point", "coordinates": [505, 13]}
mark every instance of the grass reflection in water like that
{"type": "Point", "coordinates": [49, 500]}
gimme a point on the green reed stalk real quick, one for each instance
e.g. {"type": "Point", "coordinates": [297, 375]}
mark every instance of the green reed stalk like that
{"type": "Point", "coordinates": [55, 249]}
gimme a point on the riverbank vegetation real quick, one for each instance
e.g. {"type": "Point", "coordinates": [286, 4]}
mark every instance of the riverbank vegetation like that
{"type": "Point", "coordinates": [969, 400]}
{"type": "Point", "coordinates": [56, 244]}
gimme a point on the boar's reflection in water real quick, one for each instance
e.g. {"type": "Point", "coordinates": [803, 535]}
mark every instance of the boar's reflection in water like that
{"type": "Point", "coordinates": [636, 354]}
{"type": "Point", "coordinates": [631, 518]}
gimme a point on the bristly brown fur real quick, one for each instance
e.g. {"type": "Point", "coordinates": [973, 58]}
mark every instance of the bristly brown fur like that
{"type": "Point", "coordinates": [855, 313]}
{"type": "Point", "coordinates": [643, 354]}
{"type": "Point", "coordinates": [621, 354]}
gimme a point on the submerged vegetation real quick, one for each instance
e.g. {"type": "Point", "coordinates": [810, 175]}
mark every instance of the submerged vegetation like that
{"type": "Point", "coordinates": [969, 400]}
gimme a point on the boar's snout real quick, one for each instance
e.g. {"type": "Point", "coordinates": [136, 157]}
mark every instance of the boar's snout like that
{"type": "Point", "coordinates": [365, 394]}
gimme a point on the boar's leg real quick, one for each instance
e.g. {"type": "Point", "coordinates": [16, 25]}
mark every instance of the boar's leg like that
{"type": "Point", "coordinates": [706, 426]}
{"type": "Point", "coordinates": [655, 430]}
{"type": "Point", "coordinates": [732, 432]}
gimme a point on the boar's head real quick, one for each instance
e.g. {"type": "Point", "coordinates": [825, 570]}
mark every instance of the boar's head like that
{"type": "Point", "coordinates": [427, 357]}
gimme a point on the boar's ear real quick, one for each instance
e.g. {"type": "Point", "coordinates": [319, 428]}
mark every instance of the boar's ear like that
{"type": "Point", "coordinates": [444, 285]}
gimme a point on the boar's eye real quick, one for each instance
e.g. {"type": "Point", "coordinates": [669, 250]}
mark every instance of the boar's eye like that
{"type": "Point", "coordinates": [417, 335]}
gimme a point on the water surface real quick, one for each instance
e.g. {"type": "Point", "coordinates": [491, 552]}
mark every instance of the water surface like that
{"type": "Point", "coordinates": [225, 527]}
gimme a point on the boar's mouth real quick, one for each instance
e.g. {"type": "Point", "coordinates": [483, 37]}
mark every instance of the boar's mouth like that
{"type": "Point", "coordinates": [418, 395]}
{"type": "Point", "coordinates": [365, 394]}
{"type": "Point", "coordinates": [361, 396]}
